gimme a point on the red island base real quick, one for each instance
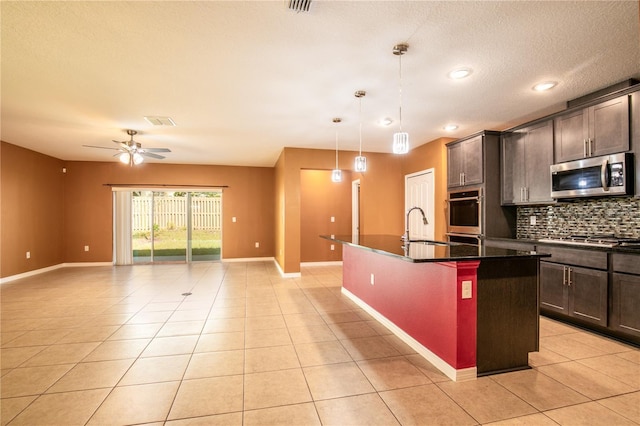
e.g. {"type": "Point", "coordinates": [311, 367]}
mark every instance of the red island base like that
{"type": "Point", "coordinates": [433, 307]}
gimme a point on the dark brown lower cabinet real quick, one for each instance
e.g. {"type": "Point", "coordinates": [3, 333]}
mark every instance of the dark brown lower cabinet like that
{"type": "Point", "coordinates": [625, 304]}
{"type": "Point", "coordinates": [578, 292]}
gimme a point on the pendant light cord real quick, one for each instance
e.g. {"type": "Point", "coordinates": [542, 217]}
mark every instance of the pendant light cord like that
{"type": "Point", "coordinates": [360, 113]}
{"type": "Point", "coordinates": [336, 145]}
{"type": "Point", "coordinates": [400, 92]}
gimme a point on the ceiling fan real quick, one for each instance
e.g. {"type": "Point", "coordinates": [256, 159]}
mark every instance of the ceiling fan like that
{"type": "Point", "coordinates": [132, 152]}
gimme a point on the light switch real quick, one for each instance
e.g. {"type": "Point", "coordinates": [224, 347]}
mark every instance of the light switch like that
{"type": "Point", "coordinates": [233, 219]}
{"type": "Point", "coordinates": [333, 218]}
{"type": "Point", "coordinates": [466, 289]}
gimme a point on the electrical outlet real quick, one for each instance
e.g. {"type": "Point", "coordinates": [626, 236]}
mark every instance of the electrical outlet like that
{"type": "Point", "coordinates": [373, 280]}
{"type": "Point", "coordinates": [466, 289]}
{"type": "Point", "coordinates": [257, 244]}
{"type": "Point", "coordinates": [86, 248]}
{"type": "Point", "coordinates": [233, 219]}
{"type": "Point", "coordinates": [333, 247]}
{"type": "Point", "coordinates": [28, 255]}
{"type": "Point", "coordinates": [333, 218]}
{"type": "Point", "coordinates": [532, 220]}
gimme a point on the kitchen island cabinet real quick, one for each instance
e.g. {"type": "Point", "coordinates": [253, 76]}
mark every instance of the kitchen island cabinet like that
{"type": "Point", "coordinates": [469, 310]}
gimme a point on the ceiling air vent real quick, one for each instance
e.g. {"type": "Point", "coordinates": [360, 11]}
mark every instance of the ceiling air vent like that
{"type": "Point", "coordinates": [299, 5]}
{"type": "Point", "coordinates": [160, 121]}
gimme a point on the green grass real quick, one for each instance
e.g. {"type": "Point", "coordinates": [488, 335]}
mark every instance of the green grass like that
{"type": "Point", "coordinates": [176, 252]}
{"type": "Point", "coordinates": [176, 239]}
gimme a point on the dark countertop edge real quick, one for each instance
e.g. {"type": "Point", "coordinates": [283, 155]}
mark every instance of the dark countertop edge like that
{"type": "Point", "coordinates": [520, 254]}
{"type": "Point", "coordinates": [622, 249]}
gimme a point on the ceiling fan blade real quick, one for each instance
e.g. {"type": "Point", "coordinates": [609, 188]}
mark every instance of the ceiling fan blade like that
{"type": "Point", "coordinates": [101, 147]}
{"type": "Point", "coordinates": [155, 150]}
{"type": "Point", "coordinates": [151, 155]}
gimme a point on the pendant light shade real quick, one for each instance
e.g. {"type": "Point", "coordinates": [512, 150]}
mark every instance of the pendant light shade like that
{"type": "Point", "coordinates": [361, 162]}
{"type": "Point", "coordinates": [400, 139]}
{"type": "Point", "coordinates": [336, 174]}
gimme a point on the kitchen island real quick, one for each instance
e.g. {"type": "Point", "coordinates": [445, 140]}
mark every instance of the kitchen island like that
{"type": "Point", "coordinates": [470, 310]}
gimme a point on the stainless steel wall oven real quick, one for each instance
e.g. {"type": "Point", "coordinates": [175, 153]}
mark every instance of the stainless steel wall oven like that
{"type": "Point", "coordinates": [464, 212]}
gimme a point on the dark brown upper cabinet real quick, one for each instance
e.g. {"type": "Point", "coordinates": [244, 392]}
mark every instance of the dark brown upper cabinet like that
{"type": "Point", "coordinates": [527, 154]}
{"type": "Point", "coordinates": [464, 162]}
{"type": "Point", "coordinates": [600, 129]}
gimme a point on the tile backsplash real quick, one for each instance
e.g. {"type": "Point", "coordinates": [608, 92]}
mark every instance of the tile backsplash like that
{"type": "Point", "coordinates": [594, 216]}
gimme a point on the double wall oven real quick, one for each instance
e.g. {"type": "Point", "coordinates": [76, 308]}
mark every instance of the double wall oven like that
{"type": "Point", "coordinates": [464, 216]}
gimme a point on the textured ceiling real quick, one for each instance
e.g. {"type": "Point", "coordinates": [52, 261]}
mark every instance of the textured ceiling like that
{"type": "Point", "coordinates": [244, 79]}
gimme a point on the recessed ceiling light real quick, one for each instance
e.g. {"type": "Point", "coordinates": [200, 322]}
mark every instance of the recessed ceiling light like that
{"type": "Point", "coordinates": [460, 73]}
{"type": "Point", "coordinates": [450, 127]}
{"type": "Point", "coordinates": [386, 121]}
{"type": "Point", "coordinates": [541, 87]}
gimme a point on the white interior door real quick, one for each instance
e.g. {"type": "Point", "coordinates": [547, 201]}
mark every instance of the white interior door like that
{"type": "Point", "coordinates": [419, 192]}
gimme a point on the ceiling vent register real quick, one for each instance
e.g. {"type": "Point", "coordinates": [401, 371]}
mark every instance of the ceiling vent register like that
{"type": "Point", "coordinates": [299, 5]}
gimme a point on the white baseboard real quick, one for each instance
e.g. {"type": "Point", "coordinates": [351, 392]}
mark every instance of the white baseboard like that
{"type": "Point", "coordinates": [51, 268]}
{"type": "Point", "coordinates": [332, 263]}
{"type": "Point", "coordinates": [285, 274]}
{"type": "Point", "coordinates": [452, 373]}
{"type": "Point", "coordinates": [248, 259]}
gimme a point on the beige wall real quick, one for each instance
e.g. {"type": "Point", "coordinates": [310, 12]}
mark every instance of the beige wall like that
{"type": "Point", "coordinates": [320, 200]}
{"type": "Point", "coordinates": [32, 192]}
{"type": "Point", "coordinates": [55, 215]}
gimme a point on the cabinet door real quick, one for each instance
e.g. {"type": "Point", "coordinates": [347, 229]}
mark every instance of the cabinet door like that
{"type": "Point", "coordinates": [609, 126]}
{"type": "Point", "coordinates": [625, 298]}
{"type": "Point", "coordinates": [455, 163]}
{"type": "Point", "coordinates": [571, 132]}
{"type": "Point", "coordinates": [513, 173]}
{"type": "Point", "coordinates": [537, 159]}
{"type": "Point", "coordinates": [473, 161]}
{"type": "Point", "coordinates": [588, 295]}
{"type": "Point", "coordinates": [553, 291]}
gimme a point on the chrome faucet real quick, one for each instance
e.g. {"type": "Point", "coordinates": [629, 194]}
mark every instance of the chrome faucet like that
{"type": "Point", "coordinates": [424, 220]}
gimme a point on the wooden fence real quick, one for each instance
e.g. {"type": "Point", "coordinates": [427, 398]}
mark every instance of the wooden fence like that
{"type": "Point", "coordinates": [171, 213]}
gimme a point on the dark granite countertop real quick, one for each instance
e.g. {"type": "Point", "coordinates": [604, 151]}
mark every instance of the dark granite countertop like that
{"type": "Point", "coordinates": [538, 243]}
{"type": "Point", "coordinates": [427, 250]}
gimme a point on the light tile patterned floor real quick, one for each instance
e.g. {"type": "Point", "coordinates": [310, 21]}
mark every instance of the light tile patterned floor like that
{"type": "Point", "coordinates": [124, 345]}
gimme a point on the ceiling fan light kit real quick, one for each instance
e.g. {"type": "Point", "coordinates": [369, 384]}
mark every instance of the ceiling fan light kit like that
{"type": "Point", "coordinates": [132, 152]}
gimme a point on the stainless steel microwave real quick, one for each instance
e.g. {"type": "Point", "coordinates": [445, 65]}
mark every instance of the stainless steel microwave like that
{"type": "Point", "coordinates": [593, 177]}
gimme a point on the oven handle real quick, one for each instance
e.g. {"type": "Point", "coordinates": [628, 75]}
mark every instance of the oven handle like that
{"type": "Point", "coordinates": [463, 199]}
{"type": "Point", "coordinates": [604, 175]}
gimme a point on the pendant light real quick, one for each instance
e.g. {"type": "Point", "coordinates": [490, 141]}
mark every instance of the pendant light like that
{"type": "Point", "coordinates": [361, 162]}
{"type": "Point", "coordinates": [400, 139]}
{"type": "Point", "coordinates": [336, 174]}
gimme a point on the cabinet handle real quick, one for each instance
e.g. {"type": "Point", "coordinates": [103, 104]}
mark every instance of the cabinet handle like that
{"type": "Point", "coordinates": [569, 277]}
{"type": "Point", "coordinates": [590, 147]}
{"type": "Point", "coordinates": [585, 151]}
{"type": "Point", "coordinates": [526, 193]}
{"type": "Point", "coordinates": [564, 275]}
{"type": "Point", "coordinates": [521, 197]}
{"type": "Point", "coordinates": [463, 178]}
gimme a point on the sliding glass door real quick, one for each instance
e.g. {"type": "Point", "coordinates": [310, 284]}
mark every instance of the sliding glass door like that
{"type": "Point", "coordinates": [176, 226]}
